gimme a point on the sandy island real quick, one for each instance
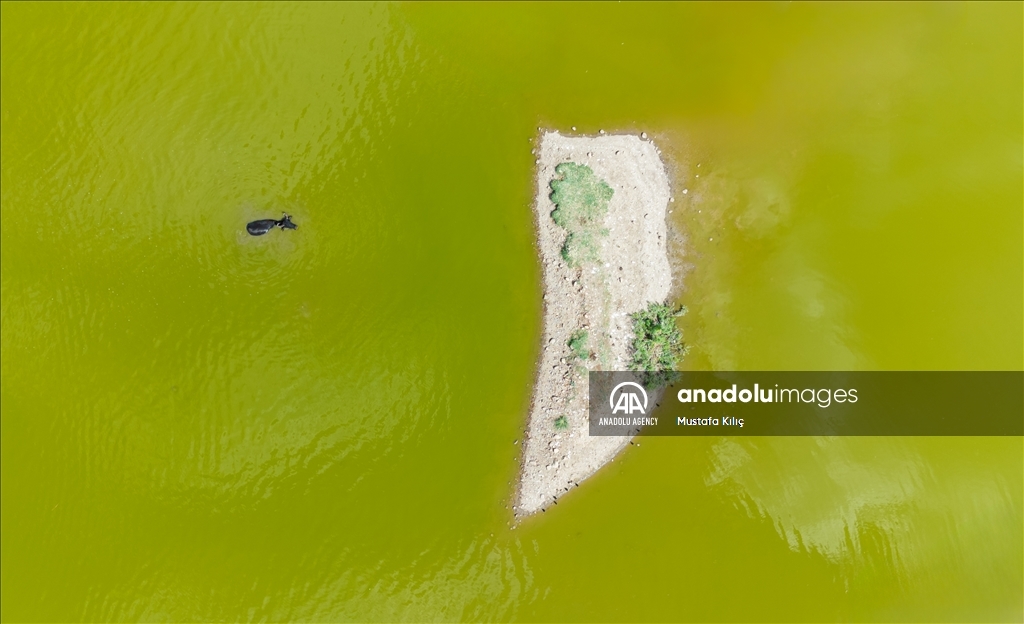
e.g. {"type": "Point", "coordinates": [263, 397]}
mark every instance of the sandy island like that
{"type": "Point", "coordinates": [597, 297]}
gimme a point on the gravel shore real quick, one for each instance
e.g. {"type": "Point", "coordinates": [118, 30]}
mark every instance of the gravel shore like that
{"type": "Point", "coordinates": [633, 271]}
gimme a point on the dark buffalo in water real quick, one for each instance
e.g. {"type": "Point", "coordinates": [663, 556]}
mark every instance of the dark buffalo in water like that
{"type": "Point", "coordinates": [261, 227]}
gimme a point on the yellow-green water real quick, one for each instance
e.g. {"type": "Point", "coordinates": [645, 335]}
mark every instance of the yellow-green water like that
{"type": "Point", "coordinates": [318, 425]}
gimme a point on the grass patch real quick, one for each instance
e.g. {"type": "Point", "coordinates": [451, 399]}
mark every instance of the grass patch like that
{"type": "Point", "coordinates": [562, 422]}
{"type": "Point", "coordinates": [657, 343]}
{"type": "Point", "coordinates": [579, 344]}
{"type": "Point", "coordinates": [581, 202]}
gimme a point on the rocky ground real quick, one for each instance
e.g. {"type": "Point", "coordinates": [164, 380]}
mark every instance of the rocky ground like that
{"type": "Point", "coordinates": [632, 272]}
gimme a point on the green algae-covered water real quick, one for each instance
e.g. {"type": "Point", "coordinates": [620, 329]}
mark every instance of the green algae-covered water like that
{"type": "Point", "coordinates": [318, 424]}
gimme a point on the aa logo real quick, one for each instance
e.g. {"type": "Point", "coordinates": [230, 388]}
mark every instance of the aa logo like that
{"type": "Point", "coordinates": [628, 399]}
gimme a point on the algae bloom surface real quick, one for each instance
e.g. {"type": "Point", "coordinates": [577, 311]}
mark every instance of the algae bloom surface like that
{"type": "Point", "coordinates": [319, 424]}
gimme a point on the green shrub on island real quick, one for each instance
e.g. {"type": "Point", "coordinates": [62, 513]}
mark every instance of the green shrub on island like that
{"type": "Point", "coordinates": [579, 247]}
{"type": "Point", "coordinates": [581, 202]}
{"type": "Point", "coordinates": [657, 343]}
{"type": "Point", "coordinates": [578, 344]}
{"type": "Point", "coordinates": [562, 422]}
